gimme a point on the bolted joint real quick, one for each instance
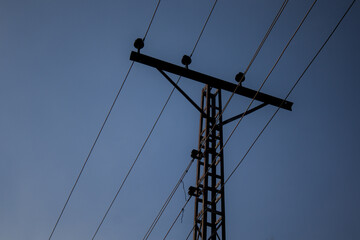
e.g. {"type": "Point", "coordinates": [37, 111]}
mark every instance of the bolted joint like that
{"type": "Point", "coordinates": [240, 77]}
{"type": "Point", "coordinates": [139, 44]}
{"type": "Point", "coordinates": [194, 191]}
{"type": "Point", "coordinates": [196, 154]}
{"type": "Point", "coordinates": [186, 60]}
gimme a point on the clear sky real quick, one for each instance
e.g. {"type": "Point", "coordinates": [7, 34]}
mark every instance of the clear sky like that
{"type": "Point", "coordinates": [62, 63]}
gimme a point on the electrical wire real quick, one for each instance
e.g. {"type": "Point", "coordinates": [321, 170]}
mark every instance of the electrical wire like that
{"type": "Point", "coordinates": [152, 19]}
{"type": "Point", "coordinates": [133, 164]}
{"type": "Point", "coordinates": [150, 133]}
{"type": "Point", "coordinates": [272, 69]}
{"type": "Point", "coordinates": [202, 30]}
{"type": "Point", "coordinates": [248, 67]}
{"type": "Point", "coordinates": [261, 44]}
{"type": "Point", "coordinates": [177, 217]}
{"type": "Point", "coordinates": [255, 55]}
{"type": "Point", "coordinates": [100, 131]}
{"type": "Point", "coordinates": [91, 150]}
{"type": "Point", "coordinates": [262, 84]}
{"type": "Point", "coordinates": [252, 60]}
{"type": "Point", "coordinates": [253, 99]}
{"type": "Point", "coordinates": [278, 108]}
{"type": "Point", "coordinates": [157, 218]}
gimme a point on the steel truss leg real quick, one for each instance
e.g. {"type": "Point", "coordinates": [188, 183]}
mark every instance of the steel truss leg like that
{"type": "Point", "coordinates": [209, 217]}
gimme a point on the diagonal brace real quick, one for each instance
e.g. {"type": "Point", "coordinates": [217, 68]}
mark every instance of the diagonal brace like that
{"type": "Point", "coordinates": [244, 113]}
{"type": "Point", "coordinates": [181, 91]}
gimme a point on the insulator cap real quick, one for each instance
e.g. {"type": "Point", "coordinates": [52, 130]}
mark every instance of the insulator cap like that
{"type": "Point", "coordinates": [193, 191]}
{"type": "Point", "coordinates": [240, 77]}
{"type": "Point", "coordinates": [139, 44]}
{"type": "Point", "coordinates": [186, 60]}
{"type": "Point", "coordinates": [196, 154]}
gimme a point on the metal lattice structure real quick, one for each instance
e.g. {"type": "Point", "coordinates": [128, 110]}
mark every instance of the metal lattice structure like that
{"type": "Point", "coordinates": [209, 216]}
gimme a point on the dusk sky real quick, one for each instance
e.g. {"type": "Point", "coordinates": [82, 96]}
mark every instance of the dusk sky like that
{"type": "Point", "coordinates": [63, 62]}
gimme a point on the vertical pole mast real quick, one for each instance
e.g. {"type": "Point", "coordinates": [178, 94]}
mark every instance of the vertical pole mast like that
{"type": "Point", "coordinates": [209, 216]}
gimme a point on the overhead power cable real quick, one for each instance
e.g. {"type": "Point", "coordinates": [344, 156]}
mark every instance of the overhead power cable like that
{"type": "Point", "coordinates": [292, 88]}
{"type": "Point", "coordinates": [177, 217]}
{"type": "Point", "coordinates": [202, 30]}
{"type": "Point", "coordinates": [261, 44]}
{"type": "Point", "coordinates": [167, 201]}
{"type": "Point", "coordinates": [263, 83]}
{"type": "Point", "coordinates": [152, 19]}
{"type": "Point", "coordinates": [272, 69]}
{"type": "Point", "coordinates": [252, 60]}
{"type": "Point", "coordinates": [158, 216]}
{"type": "Point", "coordinates": [249, 65]}
{"type": "Point", "coordinates": [278, 108]}
{"type": "Point", "coordinates": [100, 131]}
{"type": "Point", "coordinates": [151, 131]}
{"type": "Point", "coordinates": [254, 57]}
{"type": "Point", "coordinates": [132, 166]}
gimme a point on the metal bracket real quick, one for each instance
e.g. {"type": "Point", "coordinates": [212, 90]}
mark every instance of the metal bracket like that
{"type": "Point", "coordinates": [181, 91]}
{"type": "Point", "coordinates": [209, 80]}
{"type": "Point", "coordinates": [244, 113]}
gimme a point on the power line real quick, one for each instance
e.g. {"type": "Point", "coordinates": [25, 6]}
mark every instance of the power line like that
{"type": "Point", "coordinates": [132, 165]}
{"type": "Point", "coordinates": [91, 150]}
{"type": "Point", "coordinates": [277, 110]}
{"type": "Point", "coordinates": [153, 224]}
{"type": "Point", "coordinates": [177, 217]}
{"type": "Point", "coordinates": [157, 218]}
{"type": "Point", "coordinates": [202, 30]}
{"type": "Point", "coordinates": [152, 19]}
{"type": "Point", "coordinates": [266, 78]}
{"type": "Point", "coordinates": [176, 186]}
{"type": "Point", "coordinates": [151, 131]}
{"type": "Point", "coordinates": [277, 61]}
{"type": "Point", "coordinates": [249, 65]}
{"type": "Point", "coordinates": [255, 55]}
{"type": "Point", "coordinates": [252, 60]}
{"type": "Point", "coordinates": [261, 44]}
{"type": "Point", "coordinates": [100, 131]}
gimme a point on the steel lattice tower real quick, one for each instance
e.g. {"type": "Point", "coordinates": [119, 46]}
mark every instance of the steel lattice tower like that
{"type": "Point", "coordinates": [209, 216]}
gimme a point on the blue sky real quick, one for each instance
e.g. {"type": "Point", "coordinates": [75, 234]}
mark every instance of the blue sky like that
{"type": "Point", "coordinates": [62, 62]}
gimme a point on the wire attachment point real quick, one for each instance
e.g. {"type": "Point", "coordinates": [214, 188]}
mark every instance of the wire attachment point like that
{"type": "Point", "coordinates": [139, 44]}
{"type": "Point", "coordinates": [194, 191]}
{"type": "Point", "coordinates": [240, 77]}
{"type": "Point", "coordinates": [186, 60]}
{"type": "Point", "coordinates": [195, 154]}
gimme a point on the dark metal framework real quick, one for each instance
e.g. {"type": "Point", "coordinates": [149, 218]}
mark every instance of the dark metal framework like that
{"type": "Point", "coordinates": [211, 81]}
{"type": "Point", "coordinates": [209, 216]}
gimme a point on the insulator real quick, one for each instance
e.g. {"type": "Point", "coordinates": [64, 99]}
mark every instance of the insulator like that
{"type": "Point", "coordinates": [196, 154]}
{"type": "Point", "coordinates": [139, 44]}
{"type": "Point", "coordinates": [186, 60]}
{"type": "Point", "coordinates": [193, 191]}
{"type": "Point", "coordinates": [240, 77]}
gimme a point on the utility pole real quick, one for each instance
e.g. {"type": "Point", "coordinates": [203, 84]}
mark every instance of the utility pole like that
{"type": "Point", "coordinates": [209, 215]}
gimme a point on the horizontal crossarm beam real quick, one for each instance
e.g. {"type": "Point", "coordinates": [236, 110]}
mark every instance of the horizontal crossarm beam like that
{"type": "Point", "coordinates": [211, 81]}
